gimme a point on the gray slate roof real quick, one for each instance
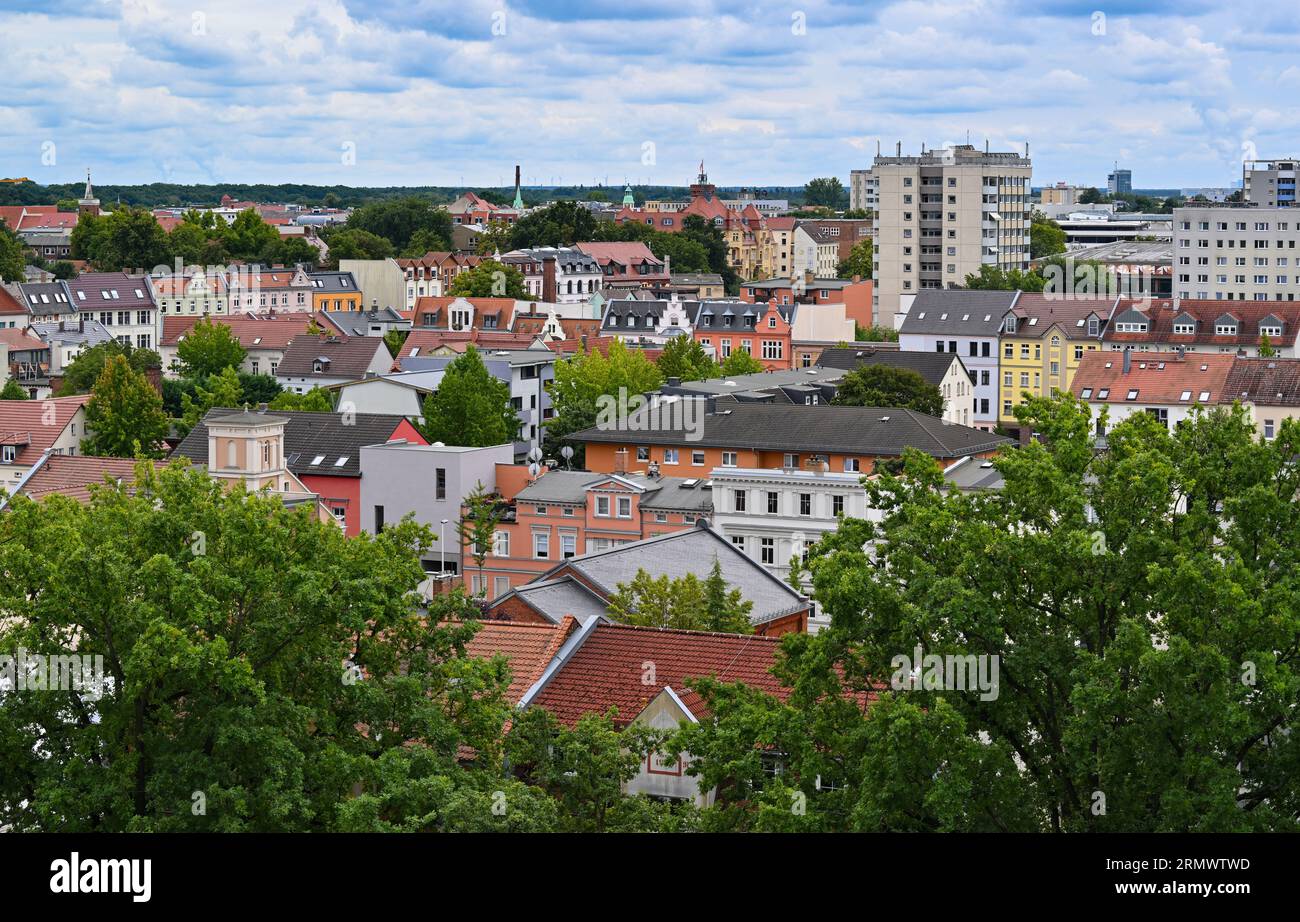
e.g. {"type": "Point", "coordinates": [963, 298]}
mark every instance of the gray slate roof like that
{"type": "Point", "coordinates": [553, 599]}
{"type": "Point", "coordinates": [690, 551]}
{"type": "Point", "coordinates": [307, 436]}
{"type": "Point", "coordinates": [664, 493]}
{"type": "Point", "coordinates": [879, 431]}
{"type": "Point", "coordinates": [971, 474]}
{"type": "Point", "coordinates": [958, 312]}
{"type": "Point", "coordinates": [350, 356]}
{"type": "Point", "coordinates": [932, 366]}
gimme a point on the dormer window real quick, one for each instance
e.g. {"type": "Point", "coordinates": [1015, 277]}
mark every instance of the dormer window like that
{"type": "Point", "coordinates": [1184, 326]}
{"type": "Point", "coordinates": [1094, 326]}
{"type": "Point", "coordinates": [1009, 326]}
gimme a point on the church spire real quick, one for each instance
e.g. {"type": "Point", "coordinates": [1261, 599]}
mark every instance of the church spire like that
{"type": "Point", "coordinates": [88, 204]}
{"type": "Point", "coordinates": [519, 198]}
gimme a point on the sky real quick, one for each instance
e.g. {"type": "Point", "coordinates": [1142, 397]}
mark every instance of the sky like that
{"type": "Point", "coordinates": [424, 92]}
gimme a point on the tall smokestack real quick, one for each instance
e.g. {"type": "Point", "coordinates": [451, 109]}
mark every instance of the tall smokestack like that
{"type": "Point", "coordinates": [548, 279]}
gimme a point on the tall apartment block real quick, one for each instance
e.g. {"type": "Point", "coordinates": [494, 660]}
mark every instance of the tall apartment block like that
{"type": "Point", "coordinates": [862, 190]}
{"type": "Point", "coordinates": [1270, 182]}
{"type": "Point", "coordinates": [1119, 182]}
{"type": "Point", "coordinates": [941, 216]}
{"type": "Point", "coordinates": [1244, 253]}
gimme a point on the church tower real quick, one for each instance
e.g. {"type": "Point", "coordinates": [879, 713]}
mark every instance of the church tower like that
{"type": "Point", "coordinates": [88, 204]}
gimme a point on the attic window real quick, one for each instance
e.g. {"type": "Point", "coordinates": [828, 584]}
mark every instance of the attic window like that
{"type": "Point", "coordinates": [1086, 393]}
{"type": "Point", "coordinates": [341, 461]}
{"type": "Point", "coordinates": [1132, 394]}
{"type": "Point", "coordinates": [1185, 395]}
{"type": "Point", "coordinates": [1205, 396]}
{"type": "Point", "coordinates": [1270, 331]}
{"type": "Point", "coordinates": [921, 316]}
{"type": "Point", "coordinates": [1185, 327]}
{"type": "Point", "coordinates": [1103, 393]}
{"type": "Point", "coordinates": [257, 340]}
{"type": "Point", "coordinates": [1033, 321]}
{"type": "Point", "coordinates": [316, 461]}
{"type": "Point", "coordinates": [1225, 329]}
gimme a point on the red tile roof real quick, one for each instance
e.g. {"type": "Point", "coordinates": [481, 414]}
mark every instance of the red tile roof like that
{"type": "Point", "coordinates": [529, 648]}
{"type": "Point", "coordinates": [24, 423]}
{"type": "Point", "coordinates": [600, 343]}
{"type": "Point", "coordinates": [429, 340]}
{"type": "Point", "coordinates": [21, 340]}
{"type": "Point", "coordinates": [273, 333]}
{"type": "Point", "coordinates": [610, 669]}
{"type": "Point", "coordinates": [1070, 314]}
{"type": "Point", "coordinates": [11, 305]}
{"type": "Point", "coordinates": [1264, 382]}
{"type": "Point", "coordinates": [73, 475]}
{"type": "Point", "coordinates": [1158, 378]}
{"type": "Point", "coordinates": [1248, 314]}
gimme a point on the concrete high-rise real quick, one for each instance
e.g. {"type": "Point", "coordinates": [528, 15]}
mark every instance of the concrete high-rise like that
{"type": "Point", "coordinates": [941, 216]}
{"type": "Point", "coordinates": [1270, 182]}
{"type": "Point", "coordinates": [1120, 182]}
{"type": "Point", "coordinates": [1244, 253]}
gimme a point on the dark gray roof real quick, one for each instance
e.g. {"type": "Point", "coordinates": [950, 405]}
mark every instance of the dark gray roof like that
{"type": "Point", "coordinates": [759, 381]}
{"type": "Point", "coordinates": [692, 550]}
{"type": "Point", "coordinates": [666, 493]}
{"type": "Point", "coordinates": [972, 473]}
{"type": "Point", "coordinates": [349, 356]}
{"type": "Point", "coordinates": [93, 333]}
{"type": "Point", "coordinates": [555, 598]}
{"type": "Point", "coordinates": [932, 366]}
{"type": "Point", "coordinates": [308, 436]}
{"type": "Point", "coordinates": [44, 297]}
{"type": "Point", "coordinates": [570, 260]}
{"type": "Point", "coordinates": [880, 431]}
{"type": "Point", "coordinates": [88, 292]}
{"type": "Point", "coordinates": [705, 311]}
{"type": "Point", "coordinates": [333, 281]}
{"type": "Point", "coordinates": [357, 323]}
{"type": "Point", "coordinates": [958, 312]}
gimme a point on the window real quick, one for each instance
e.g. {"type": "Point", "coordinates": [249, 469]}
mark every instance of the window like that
{"type": "Point", "coordinates": [379, 519]}
{"type": "Point", "coordinates": [852, 466]}
{"type": "Point", "coordinates": [697, 458]}
{"type": "Point", "coordinates": [790, 460]}
{"type": "Point", "coordinates": [643, 452]}
{"type": "Point", "coordinates": [602, 506]}
{"type": "Point", "coordinates": [568, 544]}
{"type": "Point", "coordinates": [670, 456]}
{"type": "Point", "coordinates": [738, 541]}
{"type": "Point", "coordinates": [440, 489]}
{"type": "Point", "coordinates": [837, 505]}
{"type": "Point", "coordinates": [773, 502]}
{"type": "Point", "coordinates": [805, 504]}
{"type": "Point", "coordinates": [767, 551]}
{"type": "Point", "coordinates": [625, 507]}
{"type": "Point", "coordinates": [1268, 428]}
{"type": "Point", "coordinates": [738, 500]}
{"type": "Point", "coordinates": [728, 459]}
{"type": "Point", "coordinates": [8, 453]}
{"type": "Point", "coordinates": [501, 544]}
{"type": "Point", "coordinates": [541, 545]}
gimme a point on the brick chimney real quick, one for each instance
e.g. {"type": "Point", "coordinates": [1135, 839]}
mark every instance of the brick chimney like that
{"type": "Point", "coordinates": [153, 374]}
{"type": "Point", "coordinates": [548, 279]}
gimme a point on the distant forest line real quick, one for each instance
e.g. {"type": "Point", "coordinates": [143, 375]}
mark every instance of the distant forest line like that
{"type": "Point", "coordinates": [171, 195]}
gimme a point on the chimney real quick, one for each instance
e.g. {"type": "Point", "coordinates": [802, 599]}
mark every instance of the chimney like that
{"type": "Point", "coordinates": [60, 326]}
{"type": "Point", "coordinates": [1128, 360]}
{"type": "Point", "coordinates": [674, 382]}
{"type": "Point", "coordinates": [81, 324]}
{"type": "Point", "coordinates": [154, 376]}
{"type": "Point", "coordinates": [548, 279]}
{"type": "Point", "coordinates": [808, 276]}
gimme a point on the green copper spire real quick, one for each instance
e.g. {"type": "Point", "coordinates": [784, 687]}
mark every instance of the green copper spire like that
{"type": "Point", "coordinates": [627, 195]}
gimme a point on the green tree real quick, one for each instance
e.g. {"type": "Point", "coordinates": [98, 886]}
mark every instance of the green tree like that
{"type": "Point", "coordinates": [470, 406]}
{"type": "Point", "coordinates": [682, 603]}
{"type": "Point", "coordinates": [560, 225]}
{"type": "Point", "coordinates": [992, 278]}
{"type": "Point", "coordinates": [129, 238]}
{"type": "Point", "coordinates": [584, 769]}
{"type": "Point", "coordinates": [1046, 238]}
{"type": "Point", "coordinates": [874, 334]}
{"type": "Point", "coordinates": [490, 279]}
{"type": "Point", "coordinates": [249, 237]}
{"type": "Point", "coordinates": [859, 262]}
{"type": "Point", "coordinates": [826, 191]}
{"type": "Point", "coordinates": [124, 416]}
{"type": "Point", "coordinates": [64, 270]}
{"type": "Point", "coordinates": [582, 380]}
{"type": "Point", "coordinates": [1136, 602]}
{"type": "Point", "coordinates": [13, 391]}
{"type": "Point", "coordinates": [684, 254]}
{"type": "Point", "coordinates": [12, 261]}
{"type": "Point", "coordinates": [477, 528]}
{"type": "Point", "coordinates": [223, 389]}
{"type": "Point", "coordinates": [740, 362]}
{"type": "Point", "coordinates": [316, 400]}
{"type": "Point", "coordinates": [198, 243]}
{"type": "Point", "coordinates": [82, 373]}
{"type": "Point", "coordinates": [683, 357]}
{"type": "Point", "coordinates": [406, 223]}
{"type": "Point", "coordinates": [356, 244]}
{"type": "Point", "coordinates": [256, 657]}
{"type": "Point", "coordinates": [710, 237]}
{"type": "Point", "coordinates": [209, 348]}
{"type": "Point", "coordinates": [887, 386]}
{"type": "Point", "coordinates": [496, 238]}
{"type": "Point", "coordinates": [1266, 350]}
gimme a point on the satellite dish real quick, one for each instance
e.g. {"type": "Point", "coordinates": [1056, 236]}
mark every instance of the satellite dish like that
{"type": "Point", "coordinates": [534, 469]}
{"type": "Point", "coordinates": [566, 452]}
{"type": "Point", "coordinates": [535, 455]}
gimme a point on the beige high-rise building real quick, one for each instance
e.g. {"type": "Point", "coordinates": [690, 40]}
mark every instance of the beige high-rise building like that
{"type": "Point", "coordinates": [1244, 253]}
{"type": "Point", "coordinates": [1271, 183]}
{"type": "Point", "coordinates": [941, 216]}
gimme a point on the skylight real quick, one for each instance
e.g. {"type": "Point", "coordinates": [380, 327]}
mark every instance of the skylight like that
{"type": "Point", "coordinates": [317, 460]}
{"type": "Point", "coordinates": [341, 461]}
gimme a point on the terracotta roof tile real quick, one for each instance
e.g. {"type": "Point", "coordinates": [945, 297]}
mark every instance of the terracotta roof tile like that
{"type": "Point", "coordinates": [1157, 378]}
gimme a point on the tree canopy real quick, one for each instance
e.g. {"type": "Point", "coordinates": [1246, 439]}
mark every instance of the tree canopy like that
{"type": "Point", "coordinates": [580, 381]}
{"type": "Point", "coordinates": [490, 279]}
{"type": "Point", "coordinates": [208, 348]}
{"type": "Point", "coordinates": [887, 386]}
{"type": "Point", "coordinates": [124, 416]}
{"type": "Point", "coordinates": [470, 407]}
{"type": "Point", "coordinates": [1139, 606]}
